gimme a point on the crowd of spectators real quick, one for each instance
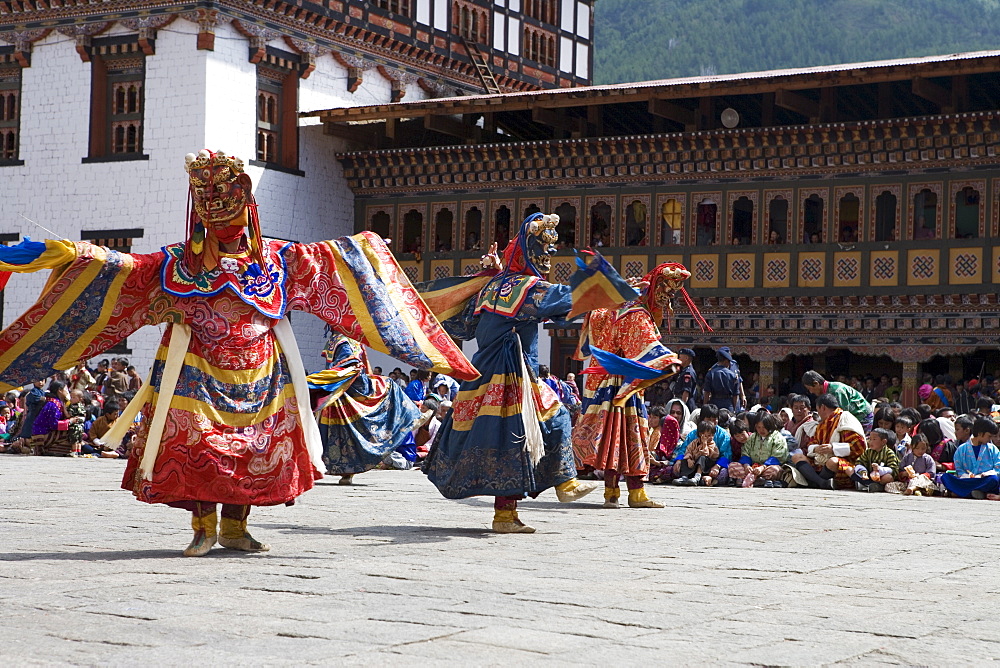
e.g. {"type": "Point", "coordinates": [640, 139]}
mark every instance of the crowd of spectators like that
{"type": "Point", "coordinates": [69, 413]}
{"type": "Point", "coordinates": [842, 434]}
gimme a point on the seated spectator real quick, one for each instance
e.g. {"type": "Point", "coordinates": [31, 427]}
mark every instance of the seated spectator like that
{"type": "Point", "coordinates": [102, 425]}
{"type": "Point", "coordinates": [977, 462]}
{"type": "Point", "coordinates": [839, 441]}
{"type": "Point", "coordinates": [803, 424]}
{"type": "Point", "coordinates": [661, 452]}
{"type": "Point", "coordinates": [878, 465]}
{"type": "Point", "coordinates": [417, 389]}
{"type": "Point", "coordinates": [941, 449]}
{"type": "Point", "coordinates": [763, 454]}
{"type": "Point", "coordinates": [699, 457]}
{"type": "Point", "coordinates": [940, 395]}
{"type": "Point", "coordinates": [885, 418]}
{"type": "Point", "coordinates": [903, 427]}
{"type": "Point", "coordinates": [917, 470]}
{"type": "Point", "coordinates": [51, 433]}
{"type": "Point", "coordinates": [708, 413]}
{"type": "Point", "coordinates": [739, 432]}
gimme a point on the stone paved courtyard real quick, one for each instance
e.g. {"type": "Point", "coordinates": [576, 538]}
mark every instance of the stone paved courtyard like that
{"type": "Point", "coordinates": [388, 573]}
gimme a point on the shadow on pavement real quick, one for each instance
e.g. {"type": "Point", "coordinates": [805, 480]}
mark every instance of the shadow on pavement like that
{"type": "Point", "coordinates": [90, 555]}
{"type": "Point", "coordinates": [396, 534]}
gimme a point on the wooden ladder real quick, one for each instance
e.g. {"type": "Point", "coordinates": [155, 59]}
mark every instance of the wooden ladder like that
{"type": "Point", "coordinates": [478, 59]}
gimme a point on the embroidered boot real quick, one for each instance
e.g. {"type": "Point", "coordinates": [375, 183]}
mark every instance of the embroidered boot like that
{"type": "Point", "coordinates": [573, 489]}
{"type": "Point", "coordinates": [205, 534]}
{"type": "Point", "coordinates": [611, 495]}
{"type": "Point", "coordinates": [347, 479]}
{"type": "Point", "coordinates": [506, 521]}
{"type": "Point", "coordinates": [233, 532]}
{"type": "Point", "coordinates": [637, 499]}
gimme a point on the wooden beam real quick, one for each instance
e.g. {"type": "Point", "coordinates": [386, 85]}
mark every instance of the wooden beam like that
{"type": "Point", "coordinates": [674, 112]}
{"type": "Point", "coordinates": [885, 103]}
{"type": "Point", "coordinates": [767, 109]}
{"type": "Point", "coordinates": [932, 92]}
{"type": "Point", "coordinates": [800, 104]}
{"type": "Point", "coordinates": [368, 135]}
{"type": "Point", "coordinates": [559, 120]}
{"type": "Point", "coordinates": [447, 125]}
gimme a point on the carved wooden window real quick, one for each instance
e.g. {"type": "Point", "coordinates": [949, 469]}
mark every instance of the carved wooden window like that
{"type": "Point", "coordinates": [849, 229]}
{"type": "Point", "coordinates": [501, 223]}
{"type": "Point", "coordinates": [444, 230]}
{"type": "Point", "coordinates": [636, 224]}
{"type": "Point", "coordinates": [672, 219]}
{"type": "Point", "coordinates": [270, 83]}
{"type": "Point", "coordinates": [567, 225]}
{"type": "Point", "coordinates": [394, 6]}
{"type": "Point", "coordinates": [600, 224]}
{"type": "Point", "coordinates": [742, 221]}
{"type": "Point", "coordinates": [473, 229]}
{"type": "Point", "coordinates": [10, 111]}
{"type": "Point", "coordinates": [413, 231]}
{"type": "Point", "coordinates": [777, 221]}
{"type": "Point", "coordinates": [967, 203]}
{"type": "Point", "coordinates": [540, 46]}
{"type": "Point", "coordinates": [706, 223]}
{"type": "Point", "coordinates": [886, 216]}
{"type": "Point", "coordinates": [471, 22]}
{"type": "Point", "coordinates": [380, 223]}
{"type": "Point", "coordinates": [543, 10]}
{"type": "Point", "coordinates": [117, 105]}
{"type": "Point", "coordinates": [812, 219]}
{"type": "Point", "coordinates": [925, 205]}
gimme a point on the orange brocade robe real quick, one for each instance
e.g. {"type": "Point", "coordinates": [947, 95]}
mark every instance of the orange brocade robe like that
{"type": "Point", "coordinates": [613, 429]}
{"type": "Point", "coordinates": [831, 431]}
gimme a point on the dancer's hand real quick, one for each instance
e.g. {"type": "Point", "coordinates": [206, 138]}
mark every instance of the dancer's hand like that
{"type": "Point", "coordinates": [492, 259]}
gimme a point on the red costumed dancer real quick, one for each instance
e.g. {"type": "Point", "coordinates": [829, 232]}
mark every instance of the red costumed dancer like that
{"type": "Point", "coordinates": [225, 414]}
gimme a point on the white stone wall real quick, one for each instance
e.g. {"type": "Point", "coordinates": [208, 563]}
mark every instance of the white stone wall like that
{"type": "Point", "coordinates": [55, 189]}
{"type": "Point", "coordinates": [194, 99]}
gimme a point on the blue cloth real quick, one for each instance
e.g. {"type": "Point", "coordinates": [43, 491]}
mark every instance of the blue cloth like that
{"type": "Point", "coordinates": [721, 442]}
{"type": "Point", "coordinates": [369, 420]}
{"type": "Point", "coordinates": [25, 252]}
{"type": "Point", "coordinates": [964, 487]}
{"type": "Point", "coordinates": [479, 449]}
{"type": "Point", "coordinates": [416, 390]}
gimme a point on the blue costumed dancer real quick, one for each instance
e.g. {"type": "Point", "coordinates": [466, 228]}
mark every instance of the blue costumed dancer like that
{"type": "Point", "coordinates": [507, 434]}
{"type": "Point", "coordinates": [364, 417]}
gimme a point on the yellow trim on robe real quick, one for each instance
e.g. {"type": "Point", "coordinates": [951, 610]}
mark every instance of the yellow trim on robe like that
{"type": "Point", "coordinates": [231, 376]}
{"type": "Point", "coordinates": [58, 252]}
{"type": "Point", "coordinates": [72, 356]}
{"type": "Point", "coordinates": [432, 353]}
{"type": "Point", "coordinates": [225, 418]}
{"type": "Point", "coordinates": [57, 311]}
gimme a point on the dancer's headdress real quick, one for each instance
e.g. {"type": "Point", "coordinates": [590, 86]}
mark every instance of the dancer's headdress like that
{"type": "Point", "coordinates": [529, 252]}
{"type": "Point", "coordinates": [665, 280]}
{"type": "Point", "coordinates": [219, 191]}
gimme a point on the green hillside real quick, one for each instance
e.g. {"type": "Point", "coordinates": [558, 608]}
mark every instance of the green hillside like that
{"type": "Point", "coordinates": [638, 40]}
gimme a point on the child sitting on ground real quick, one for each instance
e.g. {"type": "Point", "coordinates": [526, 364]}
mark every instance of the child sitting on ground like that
{"type": "Point", "coordinates": [763, 453]}
{"type": "Point", "coordinates": [917, 469]}
{"type": "Point", "coordinates": [76, 408]}
{"type": "Point", "coordinates": [699, 458]}
{"type": "Point", "coordinates": [977, 462]}
{"type": "Point", "coordinates": [904, 425]}
{"type": "Point", "coordinates": [878, 465]}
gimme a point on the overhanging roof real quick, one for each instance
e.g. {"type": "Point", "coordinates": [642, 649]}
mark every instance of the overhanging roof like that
{"type": "Point", "coordinates": [686, 87]}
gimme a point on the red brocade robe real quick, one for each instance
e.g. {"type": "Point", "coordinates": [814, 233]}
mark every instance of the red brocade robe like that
{"type": "Point", "coordinates": [613, 429]}
{"type": "Point", "coordinates": [237, 428]}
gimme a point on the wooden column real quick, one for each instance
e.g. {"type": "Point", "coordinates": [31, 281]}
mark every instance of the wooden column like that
{"type": "Point", "coordinates": [766, 375]}
{"type": "Point", "coordinates": [911, 379]}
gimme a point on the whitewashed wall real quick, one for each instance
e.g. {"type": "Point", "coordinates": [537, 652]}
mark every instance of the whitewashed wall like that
{"type": "Point", "coordinates": [194, 99]}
